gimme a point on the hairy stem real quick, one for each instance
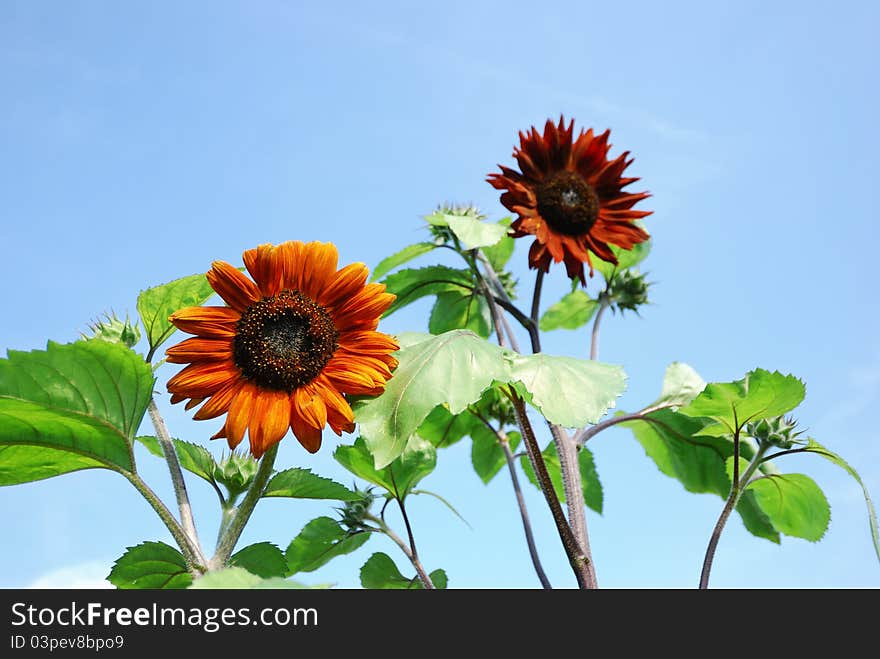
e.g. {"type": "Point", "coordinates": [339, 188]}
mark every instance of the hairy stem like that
{"type": "Point", "coordinates": [407, 550]}
{"type": "Point", "coordinates": [585, 434]}
{"type": "Point", "coordinates": [594, 336]}
{"type": "Point", "coordinates": [736, 489]}
{"type": "Point", "coordinates": [192, 554]}
{"type": "Point", "coordinates": [243, 513]}
{"type": "Point", "coordinates": [186, 517]}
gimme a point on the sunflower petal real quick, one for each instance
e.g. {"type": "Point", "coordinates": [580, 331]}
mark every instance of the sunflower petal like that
{"type": "Point", "coordinates": [232, 285]}
{"type": "Point", "coordinates": [270, 419]}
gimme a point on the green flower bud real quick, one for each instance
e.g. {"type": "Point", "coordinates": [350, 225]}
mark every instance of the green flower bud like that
{"type": "Point", "coordinates": [628, 290]}
{"type": "Point", "coordinates": [352, 515]}
{"type": "Point", "coordinates": [236, 472]}
{"type": "Point", "coordinates": [778, 431]}
{"type": "Point", "coordinates": [114, 330]}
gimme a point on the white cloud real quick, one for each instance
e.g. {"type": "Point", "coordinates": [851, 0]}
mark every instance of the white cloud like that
{"type": "Point", "coordinates": [82, 576]}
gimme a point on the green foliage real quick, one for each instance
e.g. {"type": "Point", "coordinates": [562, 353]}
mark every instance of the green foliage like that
{"type": "Point", "coordinates": [320, 540]}
{"type": "Point", "coordinates": [155, 305]}
{"type": "Point", "coordinates": [453, 368]}
{"type": "Point", "coordinates": [114, 330]}
{"type": "Point", "coordinates": [442, 428]}
{"type": "Point", "coordinates": [626, 258]}
{"type": "Point", "coordinates": [487, 455]}
{"type": "Point", "coordinates": [794, 504]}
{"type": "Point", "coordinates": [87, 398]}
{"type": "Point", "coordinates": [568, 391]}
{"type": "Point", "coordinates": [262, 559]}
{"type": "Point", "coordinates": [592, 487]}
{"type": "Point", "coordinates": [681, 384]}
{"type": "Point", "coordinates": [150, 565]}
{"type": "Point", "coordinates": [23, 463]}
{"type": "Point", "coordinates": [238, 578]}
{"type": "Point", "coordinates": [815, 447]}
{"type": "Point", "coordinates": [454, 310]}
{"type": "Point", "coordinates": [400, 476]}
{"type": "Point", "coordinates": [759, 395]}
{"type": "Point", "coordinates": [298, 483]}
{"type": "Point", "coordinates": [380, 571]}
{"type": "Point", "coordinates": [397, 259]}
{"type": "Point", "coordinates": [412, 284]}
{"type": "Point", "coordinates": [499, 253]}
{"type": "Point", "coordinates": [192, 457]}
{"type": "Point", "coordinates": [571, 312]}
{"type": "Point", "coordinates": [467, 226]}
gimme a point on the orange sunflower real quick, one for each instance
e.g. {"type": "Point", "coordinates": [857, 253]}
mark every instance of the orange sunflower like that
{"type": "Point", "coordinates": [570, 196]}
{"type": "Point", "coordinates": [288, 348]}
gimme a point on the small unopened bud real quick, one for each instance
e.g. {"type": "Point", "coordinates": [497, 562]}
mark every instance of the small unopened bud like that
{"type": "Point", "coordinates": [777, 431]}
{"type": "Point", "coordinates": [629, 290]}
{"type": "Point", "coordinates": [114, 330]}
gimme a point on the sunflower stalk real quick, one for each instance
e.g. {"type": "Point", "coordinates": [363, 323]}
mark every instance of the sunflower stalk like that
{"type": "Point", "coordinates": [242, 513]}
{"type": "Point", "coordinates": [594, 335]}
{"type": "Point", "coordinates": [407, 551]}
{"type": "Point", "coordinates": [186, 517]}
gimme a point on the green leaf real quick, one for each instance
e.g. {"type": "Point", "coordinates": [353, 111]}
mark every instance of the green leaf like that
{"type": "Point", "coordinates": [673, 442]}
{"type": "Point", "coordinates": [626, 258]}
{"type": "Point", "coordinates": [24, 464]}
{"type": "Point", "coordinates": [401, 476]}
{"type": "Point", "coordinates": [568, 391]}
{"type": "Point", "coordinates": [238, 578]}
{"type": "Point", "coordinates": [155, 305]}
{"type": "Point", "coordinates": [380, 572]}
{"type": "Point", "coordinates": [105, 381]}
{"type": "Point", "coordinates": [759, 395]}
{"type": "Point", "coordinates": [263, 559]}
{"type": "Point", "coordinates": [150, 565]}
{"type": "Point", "coordinates": [192, 457]}
{"type": "Point", "coordinates": [411, 284]}
{"type": "Point", "coordinates": [320, 540]}
{"type": "Point", "coordinates": [499, 253]}
{"type": "Point", "coordinates": [794, 503]}
{"type": "Point", "coordinates": [453, 368]}
{"type": "Point", "coordinates": [473, 233]}
{"type": "Point", "coordinates": [405, 255]}
{"type": "Point", "coordinates": [300, 483]}
{"type": "Point", "coordinates": [487, 456]}
{"type": "Point", "coordinates": [571, 312]}
{"type": "Point", "coordinates": [443, 429]}
{"type": "Point", "coordinates": [815, 447]}
{"type": "Point", "coordinates": [592, 487]}
{"type": "Point", "coordinates": [681, 384]}
{"type": "Point", "coordinates": [454, 310]}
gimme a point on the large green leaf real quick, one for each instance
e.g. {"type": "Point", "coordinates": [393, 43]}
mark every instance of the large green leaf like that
{"type": "Point", "coordinates": [473, 233]}
{"type": "Point", "coordinates": [155, 305]}
{"type": "Point", "coordinates": [399, 478]}
{"type": "Point", "coordinates": [499, 253]}
{"type": "Point", "coordinates": [487, 455]}
{"type": "Point", "coordinates": [626, 258]}
{"type": "Point", "coordinates": [411, 284]}
{"type": "Point", "coordinates": [794, 503]}
{"type": "Point", "coordinates": [454, 310]}
{"type": "Point", "coordinates": [673, 442]}
{"type": "Point", "coordinates": [24, 464]}
{"type": "Point", "coordinates": [759, 395]}
{"type": "Point", "coordinates": [443, 429]}
{"type": "Point", "coordinates": [150, 565]}
{"type": "Point", "coordinates": [320, 540]}
{"type": "Point", "coordinates": [263, 559]}
{"type": "Point", "coordinates": [568, 391]}
{"type": "Point", "coordinates": [681, 384]}
{"type": "Point", "coordinates": [238, 578]}
{"type": "Point", "coordinates": [592, 487]}
{"type": "Point", "coordinates": [105, 381]}
{"type": "Point", "coordinates": [405, 255]}
{"type": "Point", "coordinates": [452, 368]}
{"type": "Point", "coordinates": [298, 483]}
{"type": "Point", "coordinates": [571, 312]}
{"type": "Point", "coordinates": [192, 457]}
{"type": "Point", "coordinates": [380, 571]}
{"type": "Point", "coordinates": [815, 447]}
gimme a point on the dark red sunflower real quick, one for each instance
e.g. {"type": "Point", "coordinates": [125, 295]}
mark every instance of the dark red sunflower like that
{"type": "Point", "coordinates": [288, 347]}
{"type": "Point", "coordinates": [570, 196]}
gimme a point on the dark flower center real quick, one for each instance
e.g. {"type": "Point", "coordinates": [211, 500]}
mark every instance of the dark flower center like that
{"type": "Point", "coordinates": [568, 203]}
{"type": "Point", "coordinates": [283, 342]}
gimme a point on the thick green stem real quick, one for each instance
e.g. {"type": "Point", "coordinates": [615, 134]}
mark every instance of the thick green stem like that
{"type": "Point", "coordinates": [243, 513]}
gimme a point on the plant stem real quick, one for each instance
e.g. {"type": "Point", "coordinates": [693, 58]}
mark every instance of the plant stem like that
{"type": "Point", "coordinates": [579, 560]}
{"type": "Point", "coordinates": [407, 551]}
{"type": "Point", "coordinates": [243, 513]}
{"type": "Point", "coordinates": [737, 487]}
{"type": "Point", "coordinates": [594, 336]}
{"type": "Point", "coordinates": [186, 516]}
{"type": "Point", "coordinates": [192, 554]}
{"type": "Point", "coordinates": [536, 297]}
{"type": "Point", "coordinates": [582, 436]}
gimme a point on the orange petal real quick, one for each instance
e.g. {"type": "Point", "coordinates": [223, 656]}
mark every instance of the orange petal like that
{"type": "Point", "coordinates": [367, 342]}
{"type": "Point", "coordinates": [310, 406]}
{"type": "Point", "coordinates": [319, 267]}
{"type": "Point", "coordinates": [237, 291]}
{"type": "Point", "coordinates": [203, 379]}
{"type": "Point", "coordinates": [339, 414]}
{"type": "Point", "coordinates": [198, 349]}
{"type": "Point", "coordinates": [270, 419]}
{"type": "Point", "coordinates": [217, 322]}
{"type": "Point", "coordinates": [264, 264]}
{"type": "Point", "coordinates": [308, 436]}
{"type": "Point", "coordinates": [240, 413]}
{"type": "Point", "coordinates": [348, 281]}
{"type": "Point", "coordinates": [195, 402]}
{"type": "Point", "coordinates": [218, 403]}
{"type": "Point", "coordinates": [290, 254]}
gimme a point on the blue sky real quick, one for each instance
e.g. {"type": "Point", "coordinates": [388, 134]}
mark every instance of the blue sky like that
{"type": "Point", "coordinates": [140, 142]}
